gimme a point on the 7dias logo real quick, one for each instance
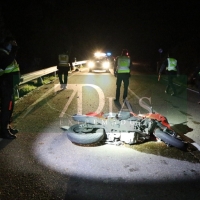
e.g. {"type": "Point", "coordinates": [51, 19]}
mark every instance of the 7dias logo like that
{"type": "Point", "coordinates": [78, 90]}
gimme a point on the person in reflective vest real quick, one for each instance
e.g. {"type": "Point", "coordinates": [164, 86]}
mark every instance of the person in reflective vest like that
{"type": "Point", "coordinates": [64, 66]}
{"type": "Point", "coordinates": [122, 72]}
{"type": "Point", "coordinates": [172, 70]}
{"type": "Point", "coordinates": [9, 79]}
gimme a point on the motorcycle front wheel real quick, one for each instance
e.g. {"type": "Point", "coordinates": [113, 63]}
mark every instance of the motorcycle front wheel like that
{"type": "Point", "coordinates": [168, 139]}
{"type": "Point", "coordinates": [82, 135]}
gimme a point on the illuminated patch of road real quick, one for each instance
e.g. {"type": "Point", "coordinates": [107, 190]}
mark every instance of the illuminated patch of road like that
{"type": "Point", "coordinates": [55, 151]}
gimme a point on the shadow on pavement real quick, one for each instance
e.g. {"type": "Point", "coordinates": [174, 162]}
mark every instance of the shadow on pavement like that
{"type": "Point", "coordinates": [120, 189]}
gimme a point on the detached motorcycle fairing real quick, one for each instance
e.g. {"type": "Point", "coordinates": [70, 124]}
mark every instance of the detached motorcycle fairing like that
{"type": "Point", "coordinates": [126, 127]}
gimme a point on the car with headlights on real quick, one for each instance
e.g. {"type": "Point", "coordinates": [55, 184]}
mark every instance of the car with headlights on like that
{"type": "Point", "coordinates": [99, 62]}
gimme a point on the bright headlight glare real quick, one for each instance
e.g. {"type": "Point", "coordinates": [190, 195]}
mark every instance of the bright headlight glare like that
{"type": "Point", "coordinates": [106, 65]}
{"type": "Point", "coordinates": [90, 64]}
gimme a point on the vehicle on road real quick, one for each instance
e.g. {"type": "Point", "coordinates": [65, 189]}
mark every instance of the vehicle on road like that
{"type": "Point", "coordinates": [122, 127]}
{"type": "Point", "coordinates": [99, 62]}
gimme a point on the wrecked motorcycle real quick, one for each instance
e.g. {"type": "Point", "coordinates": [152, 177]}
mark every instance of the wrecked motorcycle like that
{"type": "Point", "coordinates": [122, 127]}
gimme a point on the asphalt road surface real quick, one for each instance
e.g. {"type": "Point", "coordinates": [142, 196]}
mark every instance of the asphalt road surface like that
{"type": "Point", "coordinates": [43, 164]}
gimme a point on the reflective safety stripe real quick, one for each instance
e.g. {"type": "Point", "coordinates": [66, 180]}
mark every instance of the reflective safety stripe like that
{"type": "Point", "coordinates": [172, 63]}
{"type": "Point", "coordinates": [123, 71]}
{"type": "Point", "coordinates": [63, 60]}
{"type": "Point", "coordinates": [10, 105]}
{"type": "Point", "coordinates": [13, 67]}
{"type": "Point", "coordinates": [123, 63]}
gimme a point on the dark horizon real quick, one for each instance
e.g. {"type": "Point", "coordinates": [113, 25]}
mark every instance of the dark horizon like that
{"type": "Point", "coordinates": [45, 28]}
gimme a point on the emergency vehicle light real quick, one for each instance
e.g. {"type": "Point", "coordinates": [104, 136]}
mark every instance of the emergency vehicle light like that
{"type": "Point", "coordinates": [99, 54]}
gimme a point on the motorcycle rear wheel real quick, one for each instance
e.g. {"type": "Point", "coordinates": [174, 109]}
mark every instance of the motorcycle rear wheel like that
{"type": "Point", "coordinates": [82, 135]}
{"type": "Point", "coordinates": [168, 139]}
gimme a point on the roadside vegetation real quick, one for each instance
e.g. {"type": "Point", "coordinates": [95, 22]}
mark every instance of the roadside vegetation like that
{"type": "Point", "coordinates": [32, 85]}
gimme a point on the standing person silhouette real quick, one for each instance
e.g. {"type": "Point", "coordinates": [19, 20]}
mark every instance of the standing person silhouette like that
{"type": "Point", "coordinates": [9, 79]}
{"type": "Point", "coordinates": [172, 70]}
{"type": "Point", "coordinates": [64, 66]}
{"type": "Point", "coordinates": [122, 72]}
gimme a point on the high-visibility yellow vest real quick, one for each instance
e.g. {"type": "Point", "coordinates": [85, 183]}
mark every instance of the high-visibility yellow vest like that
{"type": "Point", "coordinates": [172, 63]}
{"type": "Point", "coordinates": [13, 67]}
{"type": "Point", "coordinates": [63, 60]}
{"type": "Point", "coordinates": [123, 64]}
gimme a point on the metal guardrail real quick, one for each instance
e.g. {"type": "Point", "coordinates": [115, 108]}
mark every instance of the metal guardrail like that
{"type": "Point", "coordinates": [40, 73]}
{"type": "Point", "coordinates": [79, 62]}
{"type": "Point", "coordinates": [37, 74]}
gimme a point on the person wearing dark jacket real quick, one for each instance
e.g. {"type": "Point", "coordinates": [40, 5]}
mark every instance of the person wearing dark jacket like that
{"type": "Point", "coordinates": [9, 79]}
{"type": "Point", "coordinates": [172, 70]}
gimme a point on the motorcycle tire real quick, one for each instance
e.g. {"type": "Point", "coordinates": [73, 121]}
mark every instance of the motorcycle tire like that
{"type": "Point", "coordinates": [168, 139]}
{"type": "Point", "coordinates": [79, 135]}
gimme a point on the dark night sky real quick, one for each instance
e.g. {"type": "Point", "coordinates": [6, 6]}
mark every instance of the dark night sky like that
{"type": "Point", "coordinates": [46, 27]}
